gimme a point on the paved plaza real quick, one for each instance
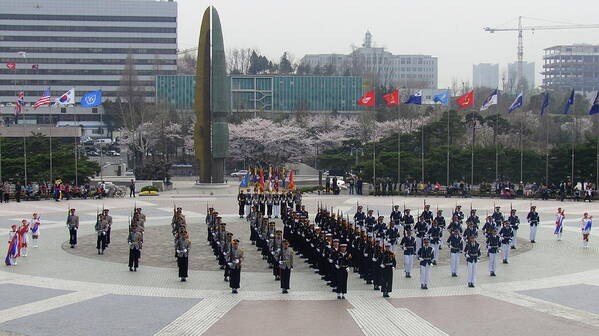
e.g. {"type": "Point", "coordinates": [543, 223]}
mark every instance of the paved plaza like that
{"type": "Point", "coordinates": [549, 288]}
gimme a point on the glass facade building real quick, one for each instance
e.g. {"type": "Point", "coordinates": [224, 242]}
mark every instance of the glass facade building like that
{"type": "Point", "coordinates": [262, 93]}
{"type": "Point", "coordinates": [61, 44]}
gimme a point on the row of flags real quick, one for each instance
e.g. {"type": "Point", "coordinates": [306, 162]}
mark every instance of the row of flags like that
{"type": "Point", "coordinates": [13, 66]}
{"type": "Point", "coordinates": [466, 100]}
{"type": "Point", "coordinates": [90, 99]}
{"type": "Point", "coordinates": [276, 181]}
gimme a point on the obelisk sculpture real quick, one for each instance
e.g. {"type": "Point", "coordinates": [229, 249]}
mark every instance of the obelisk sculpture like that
{"type": "Point", "coordinates": [211, 135]}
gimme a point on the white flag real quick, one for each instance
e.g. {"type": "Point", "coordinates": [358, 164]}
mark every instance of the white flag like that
{"type": "Point", "coordinates": [491, 100]}
{"type": "Point", "coordinates": [68, 98]}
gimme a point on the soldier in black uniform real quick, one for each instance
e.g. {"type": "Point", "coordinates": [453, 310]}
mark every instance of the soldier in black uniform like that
{"type": "Point", "coordinates": [455, 224]}
{"type": "Point", "coordinates": [388, 264]}
{"type": "Point", "coordinates": [408, 221]}
{"type": "Point", "coordinates": [533, 221]}
{"type": "Point", "coordinates": [427, 214]}
{"type": "Point", "coordinates": [392, 236]}
{"type": "Point", "coordinates": [370, 221]}
{"type": "Point", "coordinates": [396, 216]}
{"type": "Point", "coordinates": [341, 264]}
{"type": "Point", "coordinates": [241, 202]}
{"type": "Point", "coordinates": [515, 225]}
{"type": "Point", "coordinates": [497, 216]}
{"type": "Point", "coordinates": [471, 230]}
{"type": "Point", "coordinates": [474, 219]}
{"type": "Point", "coordinates": [359, 217]}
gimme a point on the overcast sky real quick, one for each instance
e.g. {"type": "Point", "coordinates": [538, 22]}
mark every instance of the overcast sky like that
{"type": "Point", "coordinates": [449, 30]}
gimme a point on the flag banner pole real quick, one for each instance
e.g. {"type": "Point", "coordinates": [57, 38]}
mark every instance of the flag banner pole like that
{"type": "Point", "coordinates": [399, 149]}
{"type": "Point", "coordinates": [496, 144]}
{"type": "Point", "coordinates": [421, 147]}
{"type": "Point", "coordinates": [547, 151]}
{"type": "Point", "coordinates": [521, 147]}
{"type": "Point", "coordinates": [448, 144]}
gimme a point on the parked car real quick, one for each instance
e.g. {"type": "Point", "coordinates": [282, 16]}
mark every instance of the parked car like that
{"type": "Point", "coordinates": [113, 153]}
{"type": "Point", "coordinates": [103, 142]}
{"type": "Point", "coordinates": [238, 173]}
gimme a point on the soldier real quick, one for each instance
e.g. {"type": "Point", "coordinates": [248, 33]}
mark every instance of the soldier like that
{"type": "Point", "coordinates": [434, 234]}
{"type": "Point", "coordinates": [101, 228]}
{"type": "Point", "coordinates": [388, 264]}
{"type": "Point", "coordinates": [380, 228]}
{"type": "Point", "coordinates": [427, 214]}
{"type": "Point", "coordinates": [470, 230]}
{"type": "Point", "coordinates": [275, 244]}
{"type": "Point", "coordinates": [421, 229]}
{"type": "Point", "coordinates": [369, 222]}
{"type": "Point", "coordinates": [408, 245]}
{"type": "Point", "coordinates": [359, 217]}
{"type": "Point", "coordinates": [276, 206]}
{"type": "Point", "coordinates": [135, 241]}
{"type": "Point", "coordinates": [141, 217]}
{"type": "Point", "coordinates": [108, 220]}
{"type": "Point", "coordinates": [392, 235]}
{"type": "Point", "coordinates": [241, 202]}
{"type": "Point", "coordinates": [182, 248]}
{"type": "Point", "coordinates": [456, 245]}
{"type": "Point", "coordinates": [497, 216]}
{"type": "Point", "coordinates": [472, 253]}
{"type": "Point", "coordinates": [341, 264]}
{"type": "Point", "coordinates": [489, 225]}
{"type": "Point", "coordinates": [425, 255]}
{"type": "Point", "coordinates": [441, 223]}
{"type": "Point", "coordinates": [533, 221]}
{"type": "Point", "coordinates": [455, 224]}
{"type": "Point", "coordinates": [493, 242]}
{"type": "Point", "coordinates": [225, 250]}
{"type": "Point", "coordinates": [73, 226]}
{"type": "Point", "coordinates": [234, 262]}
{"type": "Point", "coordinates": [474, 218]}
{"type": "Point", "coordinates": [377, 259]}
{"type": "Point", "coordinates": [35, 229]}
{"type": "Point", "coordinates": [506, 234]}
{"type": "Point", "coordinates": [284, 257]}
{"type": "Point", "coordinates": [408, 221]}
{"type": "Point", "coordinates": [514, 224]}
{"type": "Point", "coordinates": [395, 216]}
{"type": "Point", "coordinates": [458, 213]}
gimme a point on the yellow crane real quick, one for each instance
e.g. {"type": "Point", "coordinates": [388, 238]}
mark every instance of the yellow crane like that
{"type": "Point", "coordinates": [522, 28]}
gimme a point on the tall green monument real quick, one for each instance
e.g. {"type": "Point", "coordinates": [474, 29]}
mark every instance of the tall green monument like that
{"type": "Point", "coordinates": [211, 130]}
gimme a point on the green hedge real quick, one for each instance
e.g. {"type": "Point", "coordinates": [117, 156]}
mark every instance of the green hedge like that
{"type": "Point", "coordinates": [149, 188]}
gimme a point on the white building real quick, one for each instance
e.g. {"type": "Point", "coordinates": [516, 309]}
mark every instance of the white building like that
{"type": "Point", "coordinates": [485, 75]}
{"type": "Point", "coordinates": [377, 64]}
{"type": "Point", "coordinates": [61, 44]}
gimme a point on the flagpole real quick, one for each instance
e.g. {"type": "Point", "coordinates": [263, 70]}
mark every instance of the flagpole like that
{"type": "Point", "coordinates": [421, 147]}
{"type": "Point", "coordinates": [573, 145]}
{"type": "Point", "coordinates": [547, 151]}
{"type": "Point", "coordinates": [51, 165]}
{"type": "Point", "coordinates": [521, 148]}
{"type": "Point", "coordinates": [25, 157]}
{"type": "Point", "coordinates": [399, 147]}
{"type": "Point", "coordinates": [448, 143]}
{"type": "Point", "coordinates": [496, 143]}
{"type": "Point", "coordinates": [472, 151]}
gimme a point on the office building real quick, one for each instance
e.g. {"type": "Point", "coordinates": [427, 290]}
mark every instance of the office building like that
{"type": "Point", "coordinates": [485, 75]}
{"type": "Point", "coordinates": [528, 74]}
{"type": "Point", "coordinates": [572, 66]}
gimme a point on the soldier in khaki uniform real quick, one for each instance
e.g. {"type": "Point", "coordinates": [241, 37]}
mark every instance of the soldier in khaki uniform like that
{"type": "Point", "coordinates": [285, 259]}
{"type": "Point", "coordinates": [135, 241]}
{"type": "Point", "coordinates": [73, 226]}
{"type": "Point", "coordinates": [234, 262]}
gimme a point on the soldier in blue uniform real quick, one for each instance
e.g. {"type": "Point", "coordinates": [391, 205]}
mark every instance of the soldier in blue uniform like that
{"type": "Point", "coordinates": [498, 216]}
{"type": "Point", "coordinates": [472, 253]}
{"type": "Point", "coordinates": [392, 236]}
{"type": "Point", "coordinates": [396, 216]}
{"type": "Point", "coordinates": [474, 218]}
{"type": "Point", "coordinates": [456, 244]}
{"type": "Point", "coordinates": [408, 221]}
{"type": "Point", "coordinates": [426, 254]}
{"type": "Point", "coordinates": [514, 224]}
{"type": "Point", "coordinates": [434, 234]}
{"type": "Point", "coordinates": [493, 243]}
{"type": "Point", "coordinates": [506, 234]}
{"type": "Point", "coordinates": [359, 217]}
{"type": "Point", "coordinates": [458, 213]}
{"type": "Point", "coordinates": [533, 221]}
{"type": "Point", "coordinates": [408, 245]}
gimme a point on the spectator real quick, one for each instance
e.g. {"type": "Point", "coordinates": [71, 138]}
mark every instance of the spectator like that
{"type": "Point", "coordinates": [132, 188]}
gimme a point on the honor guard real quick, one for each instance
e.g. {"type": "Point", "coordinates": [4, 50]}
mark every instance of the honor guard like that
{"type": "Point", "coordinates": [101, 228]}
{"type": "Point", "coordinates": [108, 220]}
{"type": "Point", "coordinates": [392, 236]}
{"type": "Point", "coordinates": [533, 221]}
{"type": "Point", "coordinates": [493, 243]}
{"type": "Point", "coordinates": [342, 264]}
{"type": "Point", "coordinates": [408, 221]}
{"type": "Point", "coordinates": [426, 254]}
{"type": "Point", "coordinates": [387, 265]}
{"type": "Point", "coordinates": [441, 223]}
{"type": "Point", "coordinates": [408, 245]}
{"type": "Point", "coordinates": [135, 242]}
{"type": "Point", "coordinates": [474, 218]}
{"type": "Point", "coordinates": [434, 233]}
{"type": "Point", "coordinates": [506, 235]}
{"type": "Point", "coordinates": [427, 214]}
{"type": "Point", "coordinates": [182, 247]}
{"type": "Point", "coordinates": [458, 213]}
{"type": "Point", "coordinates": [514, 224]}
{"type": "Point", "coordinates": [456, 245]}
{"type": "Point", "coordinates": [241, 203]}
{"type": "Point", "coordinates": [285, 264]}
{"type": "Point", "coordinates": [73, 226]}
{"type": "Point", "coordinates": [421, 229]}
{"type": "Point", "coordinates": [395, 216]}
{"type": "Point", "coordinates": [235, 260]}
{"type": "Point", "coordinates": [370, 221]}
{"type": "Point", "coordinates": [470, 230]}
{"type": "Point", "coordinates": [497, 216]}
{"type": "Point", "coordinates": [359, 217]}
{"type": "Point", "coordinates": [472, 253]}
{"type": "Point", "coordinates": [455, 225]}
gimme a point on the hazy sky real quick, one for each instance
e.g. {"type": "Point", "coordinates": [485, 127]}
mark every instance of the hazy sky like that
{"type": "Point", "coordinates": [450, 30]}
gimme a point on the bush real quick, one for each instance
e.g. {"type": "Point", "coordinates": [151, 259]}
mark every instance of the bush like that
{"type": "Point", "coordinates": [149, 188]}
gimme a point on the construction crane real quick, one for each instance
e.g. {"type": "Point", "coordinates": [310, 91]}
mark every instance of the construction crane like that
{"type": "Point", "coordinates": [185, 51]}
{"type": "Point", "coordinates": [521, 28]}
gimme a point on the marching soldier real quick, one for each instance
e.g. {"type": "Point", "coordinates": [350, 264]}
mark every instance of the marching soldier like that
{"type": "Point", "coordinates": [456, 245]}
{"type": "Point", "coordinates": [514, 224]}
{"type": "Point", "coordinates": [276, 206]}
{"type": "Point", "coordinates": [425, 255]}
{"type": "Point", "coordinates": [234, 262]}
{"type": "Point", "coordinates": [341, 264]}
{"type": "Point", "coordinates": [421, 229]}
{"type": "Point", "coordinates": [392, 235]}
{"type": "Point", "coordinates": [507, 235]}
{"type": "Point", "coordinates": [427, 214]}
{"type": "Point", "coordinates": [135, 241]}
{"type": "Point", "coordinates": [458, 213]}
{"type": "Point", "coordinates": [73, 226]}
{"type": "Point", "coordinates": [182, 248]}
{"type": "Point", "coordinates": [408, 245]}
{"type": "Point", "coordinates": [285, 264]}
{"type": "Point", "coordinates": [474, 218]}
{"type": "Point", "coordinates": [470, 230]}
{"type": "Point", "coordinates": [396, 216]}
{"type": "Point", "coordinates": [533, 221]}
{"type": "Point", "coordinates": [493, 243]}
{"type": "Point", "coordinates": [101, 229]}
{"type": "Point", "coordinates": [108, 220]}
{"type": "Point", "coordinates": [408, 221]}
{"type": "Point", "coordinates": [441, 223]}
{"type": "Point", "coordinates": [472, 252]}
{"type": "Point", "coordinates": [489, 226]}
{"type": "Point", "coordinates": [388, 264]}
{"type": "Point", "coordinates": [359, 217]}
{"type": "Point", "coordinates": [369, 221]}
{"type": "Point", "coordinates": [435, 237]}
{"type": "Point", "coordinates": [497, 216]}
{"type": "Point", "coordinates": [455, 225]}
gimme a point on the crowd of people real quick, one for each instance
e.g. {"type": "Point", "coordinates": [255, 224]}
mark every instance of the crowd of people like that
{"type": "Point", "coordinates": [58, 191]}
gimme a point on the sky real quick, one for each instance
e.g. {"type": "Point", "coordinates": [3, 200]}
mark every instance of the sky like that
{"type": "Point", "coordinates": [450, 30]}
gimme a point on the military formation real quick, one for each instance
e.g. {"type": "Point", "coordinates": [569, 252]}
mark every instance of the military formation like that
{"type": "Point", "coordinates": [270, 205]}
{"type": "Point", "coordinates": [226, 249]}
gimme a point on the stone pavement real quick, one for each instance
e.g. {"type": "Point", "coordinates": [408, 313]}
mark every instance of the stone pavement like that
{"type": "Point", "coordinates": [549, 288]}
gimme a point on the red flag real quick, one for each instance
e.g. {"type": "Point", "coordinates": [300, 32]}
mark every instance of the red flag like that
{"type": "Point", "coordinates": [466, 100]}
{"type": "Point", "coordinates": [261, 180]}
{"type": "Point", "coordinates": [392, 98]}
{"type": "Point", "coordinates": [291, 185]}
{"type": "Point", "coordinates": [35, 66]}
{"type": "Point", "coordinates": [367, 99]}
{"type": "Point", "coordinates": [11, 65]}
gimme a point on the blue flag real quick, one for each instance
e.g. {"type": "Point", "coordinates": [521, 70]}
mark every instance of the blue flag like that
{"type": "Point", "coordinates": [516, 104]}
{"type": "Point", "coordinates": [245, 183]}
{"type": "Point", "coordinates": [415, 99]}
{"type": "Point", "coordinates": [595, 106]}
{"type": "Point", "coordinates": [92, 99]}
{"type": "Point", "coordinates": [569, 102]}
{"type": "Point", "coordinates": [545, 102]}
{"type": "Point", "coordinates": [491, 100]}
{"type": "Point", "coordinates": [442, 98]}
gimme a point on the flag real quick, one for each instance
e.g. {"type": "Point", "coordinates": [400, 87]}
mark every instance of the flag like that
{"type": "Point", "coordinates": [595, 106]}
{"type": "Point", "coordinates": [291, 185]}
{"type": "Point", "coordinates": [588, 225]}
{"type": "Point", "coordinates": [35, 66]}
{"type": "Point", "coordinates": [367, 99]}
{"type": "Point", "coordinates": [491, 100]}
{"type": "Point", "coordinates": [392, 98]}
{"type": "Point", "coordinates": [245, 182]}
{"type": "Point", "coordinates": [12, 248]}
{"type": "Point", "coordinates": [45, 100]}
{"type": "Point", "coordinates": [466, 100]}
{"type": "Point", "coordinates": [559, 224]}
{"type": "Point", "coordinates": [545, 102]}
{"type": "Point", "coordinates": [22, 54]}
{"type": "Point", "coordinates": [442, 98]}
{"type": "Point", "coordinates": [20, 102]}
{"type": "Point", "coordinates": [516, 104]}
{"type": "Point", "coordinates": [569, 102]}
{"type": "Point", "coordinates": [11, 65]}
{"type": "Point", "coordinates": [92, 99]}
{"type": "Point", "coordinates": [416, 98]}
{"type": "Point", "coordinates": [67, 98]}
{"type": "Point", "coordinates": [261, 180]}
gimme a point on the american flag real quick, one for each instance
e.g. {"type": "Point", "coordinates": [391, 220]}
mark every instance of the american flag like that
{"type": "Point", "coordinates": [45, 100]}
{"type": "Point", "coordinates": [20, 102]}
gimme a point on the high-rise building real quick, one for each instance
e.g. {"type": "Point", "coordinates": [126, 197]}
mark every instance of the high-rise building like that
{"type": "Point", "coordinates": [572, 66]}
{"type": "Point", "coordinates": [84, 44]}
{"type": "Point", "coordinates": [485, 75]}
{"type": "Point", "coordinates": [528, 74]}
{"type": "Point", "coordinates": [377, 64]}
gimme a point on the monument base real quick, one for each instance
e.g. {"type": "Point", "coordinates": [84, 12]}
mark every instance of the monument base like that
{"type": "Point", "coordinates": [212, 188]}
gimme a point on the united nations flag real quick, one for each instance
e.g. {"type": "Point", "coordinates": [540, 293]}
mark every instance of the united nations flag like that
{"type": "Point", "coordinates": [92, 99]}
